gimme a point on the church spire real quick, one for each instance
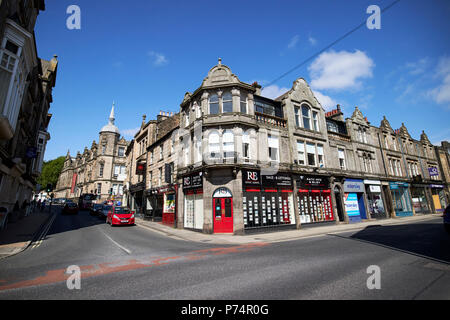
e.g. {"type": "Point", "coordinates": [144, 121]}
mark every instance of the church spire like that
{"type": "Point", "coordinates": [111, 115]}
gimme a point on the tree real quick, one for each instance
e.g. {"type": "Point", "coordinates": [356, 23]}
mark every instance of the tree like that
{"type": "Point", "coordinates": [51, 171]}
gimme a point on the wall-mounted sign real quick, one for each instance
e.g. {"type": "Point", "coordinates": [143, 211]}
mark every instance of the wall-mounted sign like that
{"type": "Point", "coordinates": [436, 186]}
{"type": "Point", "coordinates": [375, 189]}
{"type": "Point", "coordinates": [222, 192]}
{"type": "Point", "coordinates": [313, 182]}
{"type": "Point", "coordinates": [353, 185]}
{"type": "Point", "coordinates": [278, 180]}
{"type": "Point", "coordinates": [396, 185]}
{"type": "Point", "coordinates": [433, 171]}
{"type": "Point", "coordinates": [193, 181]}
{"type": "Point", "coordinates": [251, 177]}
{"type": "Point", "coordinates": [31, 152]}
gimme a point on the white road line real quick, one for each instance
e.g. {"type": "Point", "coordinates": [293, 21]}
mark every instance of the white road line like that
{"type": "Point", "coordinates": [121, 247]}
{"type": "Point", "coordinates": [44, 232]}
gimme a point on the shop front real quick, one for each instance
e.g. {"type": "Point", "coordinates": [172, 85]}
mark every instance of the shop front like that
{"type": "Point", "coordinates": [438, 196]}
{"type": "Point", "coordinates": [267, 200]}
{"type": "Point", "coordinates": [162, 204]}
{"type": "Point", "coordinates": [354, 203]}
{"type": "Point", "coordinates": [193, 201]}
{"type": "Point", "coordinates": [401, 199]}
{"type": "Point", "coordinates": [375, 201]}
{"type": "Point", "coordinates": [419, 198]}
{"type": "Point", "coordinates": [314, 200]}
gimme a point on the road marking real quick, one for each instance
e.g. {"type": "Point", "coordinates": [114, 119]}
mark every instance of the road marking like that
{"type": "Point", "coordinates": [43, 234]}
{"type": "Point", "coordinates": [117, 244]}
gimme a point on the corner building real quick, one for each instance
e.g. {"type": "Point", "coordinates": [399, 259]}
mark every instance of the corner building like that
{"type": "Point", "coordinates": [239, 169]}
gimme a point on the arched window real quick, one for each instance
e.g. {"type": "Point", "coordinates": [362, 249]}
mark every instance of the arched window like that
{"type": "Point", "coordinates": [227, 102]}
{"type": "Point", "coordinates": [214, 144]}
{"type": "Point", "coordinates": [214, 104]}
{"type": "Point", "coordinates": [243, 102]}
{"type": "Point", "coordinates": [228, 144]}
{"type": "Point", "coordinates": [306, 115]}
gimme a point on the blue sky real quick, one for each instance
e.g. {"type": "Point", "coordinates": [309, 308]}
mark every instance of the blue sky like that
{"type": "Point", "coordinates": [145, 55]}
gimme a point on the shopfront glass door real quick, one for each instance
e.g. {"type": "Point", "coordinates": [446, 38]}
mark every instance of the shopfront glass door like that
{"type": "Point", "coordinates": [223, 215]}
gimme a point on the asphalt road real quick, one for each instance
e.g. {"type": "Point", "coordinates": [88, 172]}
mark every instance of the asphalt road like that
{"type": "Point", "coordinates": [137, 263]}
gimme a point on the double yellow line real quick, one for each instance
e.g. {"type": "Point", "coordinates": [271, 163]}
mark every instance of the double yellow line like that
{"type": "Point", "coordinates": [43, 233]}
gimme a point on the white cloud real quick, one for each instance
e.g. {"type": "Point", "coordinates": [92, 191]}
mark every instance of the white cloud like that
{"type": "Point", "coordinates": [158, 58]}
{"type": "Point", "coordinates": [340, 70]}
{"type": "Point", "coordinates": [417, 67]}
{"type": "Point", "coordinates": [441, 93]}
{"type": "Point", "coordinates": [293, 41]}
{"type": "Point", "coordinates": [327, 102]}
{"type": "Point", "coordinates": [273, 91]}
{"type": "Point", "coordinates": [312, 41]}
{"type": "Point", "coordinates": [130, 132]}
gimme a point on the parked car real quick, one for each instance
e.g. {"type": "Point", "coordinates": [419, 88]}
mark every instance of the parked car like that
{"type": "Point", "coordinates": [70, 208]}
{"type": "Point", "coordinates": [95, 209]}
{"type": "Point", "coordinates": [120, 216]}
{"type": "Point", "coordinates": [104, 211]}
{"type": "Point", "coordinates": [447, 218]}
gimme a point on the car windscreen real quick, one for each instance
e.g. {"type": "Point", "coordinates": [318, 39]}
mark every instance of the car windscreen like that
{"type": "Point", "coordinates": [107, 207]}
{"type": "Point", "coordinates": [71, 204]}
{"type": "Point", "coordinates": [97, 206]}
{"type": "Point", "coordinates": [121, 210]}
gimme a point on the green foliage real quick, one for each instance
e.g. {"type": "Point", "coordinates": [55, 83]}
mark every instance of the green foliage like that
{"type": "Point", "coordinates": [50, 172]}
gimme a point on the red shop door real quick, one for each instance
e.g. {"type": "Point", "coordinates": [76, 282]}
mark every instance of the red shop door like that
{"type": "Point", "coordinates": [223, 215]}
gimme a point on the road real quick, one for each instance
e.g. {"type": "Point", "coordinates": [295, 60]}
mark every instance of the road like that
{"type": "Point", "coordinates": [138, 263]}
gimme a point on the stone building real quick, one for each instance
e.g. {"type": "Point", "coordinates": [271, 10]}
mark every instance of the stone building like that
{"type": "Point", "coordinates": [26, 85]}
{"type": "Point", "coordinates": [151, 186]}
{"type": "Point", "coordinates": [245, 163]}
{"type": "Point", "coordinates": [100, 170]}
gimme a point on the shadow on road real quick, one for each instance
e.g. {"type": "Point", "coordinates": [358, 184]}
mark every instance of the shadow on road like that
{"type": "Point", "coordinates": [425, 239]}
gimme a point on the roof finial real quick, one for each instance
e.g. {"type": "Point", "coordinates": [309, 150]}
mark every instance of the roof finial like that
{"type": "Point", "coordinates": [220, 61]}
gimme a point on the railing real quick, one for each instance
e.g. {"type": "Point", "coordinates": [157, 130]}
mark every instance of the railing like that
{"type": "Point", "coordinates": [271, 120]}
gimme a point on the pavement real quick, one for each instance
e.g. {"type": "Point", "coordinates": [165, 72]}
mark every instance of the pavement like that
{"type": "Point", "coordinates": [275, 236]}
{"type": "Point", "coordinates": [20, 234]}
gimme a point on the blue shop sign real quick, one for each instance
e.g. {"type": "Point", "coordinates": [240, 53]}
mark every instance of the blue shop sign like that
{"type": "Point", "coordinates": [353, 185]}
{"type": "Point", "coordinates": [396, 185]}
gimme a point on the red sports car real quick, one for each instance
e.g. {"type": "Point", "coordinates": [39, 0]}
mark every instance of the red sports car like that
{"type": "Point", "coordinates": [120, 216]}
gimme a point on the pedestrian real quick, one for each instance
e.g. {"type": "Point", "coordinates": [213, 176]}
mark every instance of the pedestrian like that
{"type": "Point", "coordinates": [39, 204]}
{"type": "Point", "coordinates": [43, 205]}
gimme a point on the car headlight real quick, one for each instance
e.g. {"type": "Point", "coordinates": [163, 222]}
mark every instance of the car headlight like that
{"type": "Point", "coordinates": [132, 216]}
{"type": "Point", "coordinates": [115, 217]}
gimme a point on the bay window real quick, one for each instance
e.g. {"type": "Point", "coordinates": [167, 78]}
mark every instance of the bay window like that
{"type": "Point", "coordinates": [243, 102]}
{"type": "Point", "coordinates": [227, 102]}
{"type": "Point", "coordinates": [214, 144]}
{"type": "Point", "coordinates": [214, 104]}
{"type": "Point", "coordinates": [228, 144]}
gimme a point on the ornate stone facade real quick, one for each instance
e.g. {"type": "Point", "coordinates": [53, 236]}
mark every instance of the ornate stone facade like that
{"type": "Point", "coordinates": [100, 170]}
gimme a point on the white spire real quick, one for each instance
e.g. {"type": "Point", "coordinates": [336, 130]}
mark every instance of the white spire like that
{"type": "Point", "coordinates": [111, 115]}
